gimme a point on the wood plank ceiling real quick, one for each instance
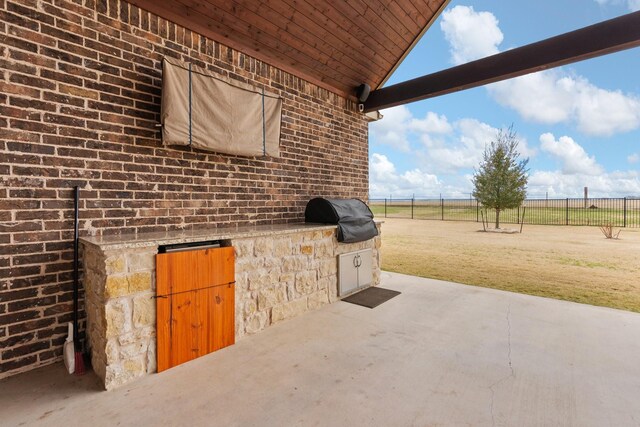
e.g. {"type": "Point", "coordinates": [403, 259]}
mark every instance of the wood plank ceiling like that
{"type": "Point", "coordinates": [337, 44]}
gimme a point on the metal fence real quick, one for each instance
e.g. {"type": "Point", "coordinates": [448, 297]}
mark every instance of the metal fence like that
{"type": "Point", "coordinates": [621, 212]}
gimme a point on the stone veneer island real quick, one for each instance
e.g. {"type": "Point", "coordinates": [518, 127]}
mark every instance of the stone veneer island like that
{"type": "Point", "coordinates": [282, 271]}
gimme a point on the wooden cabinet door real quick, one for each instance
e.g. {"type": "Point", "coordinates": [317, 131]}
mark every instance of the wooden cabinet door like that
{"type": "Point", "coordinates": [192, 323]}
{"type": "Point", "coordinates": [186, 332]}
{"type": "Point", "coordinates": [199, 322]}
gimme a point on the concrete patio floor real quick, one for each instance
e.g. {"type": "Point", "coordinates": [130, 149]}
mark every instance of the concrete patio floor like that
{"type": "Point", "coordinates": [438, 354]}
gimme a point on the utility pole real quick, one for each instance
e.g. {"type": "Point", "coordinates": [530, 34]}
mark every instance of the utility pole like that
{"type": "Point", "coordinates": [586, 197]}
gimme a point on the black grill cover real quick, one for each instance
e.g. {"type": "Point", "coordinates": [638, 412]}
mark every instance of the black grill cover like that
{"type": "Point", "coordinates": [353, 216]}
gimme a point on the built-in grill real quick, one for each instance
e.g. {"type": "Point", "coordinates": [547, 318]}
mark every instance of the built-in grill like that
{"type": "Point", "coordinates": [353, 217]}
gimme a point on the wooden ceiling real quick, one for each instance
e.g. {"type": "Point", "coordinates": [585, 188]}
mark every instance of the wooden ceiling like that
{"type": "Point", "coordinates": [337, 44]}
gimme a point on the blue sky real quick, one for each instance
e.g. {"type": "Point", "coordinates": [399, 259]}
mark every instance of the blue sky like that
{"type": "Point", "coordinates": [579, 124]}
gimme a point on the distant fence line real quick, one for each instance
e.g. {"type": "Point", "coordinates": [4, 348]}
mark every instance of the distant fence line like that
{"type": "Point", "coordinates": [619, 212]}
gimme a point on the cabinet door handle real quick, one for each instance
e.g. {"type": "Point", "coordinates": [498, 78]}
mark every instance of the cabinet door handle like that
{"type": "Point", "coordinates": [357, 261]}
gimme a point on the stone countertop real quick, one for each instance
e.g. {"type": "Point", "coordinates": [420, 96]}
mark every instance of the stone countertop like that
{"type": "Point", "coordinates": [141, 240]}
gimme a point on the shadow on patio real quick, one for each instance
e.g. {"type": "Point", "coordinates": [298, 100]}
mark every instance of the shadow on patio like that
{"type": "Point", "coordinates": [439, 354]}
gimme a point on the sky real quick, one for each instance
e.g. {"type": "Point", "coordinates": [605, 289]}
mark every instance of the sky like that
{"type": "Point", "coordinates": [579, 125]}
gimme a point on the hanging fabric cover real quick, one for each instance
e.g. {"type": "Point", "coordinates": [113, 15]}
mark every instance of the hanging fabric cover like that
{"type": "Point", "coordinates": [353, 216]}
{"type": "Point", "coordinates": [203, 111]}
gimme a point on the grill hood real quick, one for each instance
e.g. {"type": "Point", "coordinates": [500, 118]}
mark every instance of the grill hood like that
{"type": "Point", "coordinates": [353, 217]}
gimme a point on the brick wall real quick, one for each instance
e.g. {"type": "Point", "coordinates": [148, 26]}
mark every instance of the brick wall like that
{"type": "Point", "coordinates": [79, 100]}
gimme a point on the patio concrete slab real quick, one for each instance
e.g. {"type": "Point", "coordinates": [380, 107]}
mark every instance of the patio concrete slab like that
{"type": "Point", "coordinates": [439, 354]}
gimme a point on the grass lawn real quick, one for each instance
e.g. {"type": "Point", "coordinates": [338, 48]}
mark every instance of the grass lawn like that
{"type": "Point", "coordinates": [570, 263]}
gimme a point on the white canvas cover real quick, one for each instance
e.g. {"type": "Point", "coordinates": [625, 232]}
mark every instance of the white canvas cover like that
{"type": "Point", "coordinates": [201, 110]}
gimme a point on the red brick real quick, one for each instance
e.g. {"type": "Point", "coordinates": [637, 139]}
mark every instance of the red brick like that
{"type": "Point", "coordinates": [20, 43]}
{"type": "Point", "coordinates": [31, 325]}
{"type": "Point", "coordinates": [32, 193]}
{"type": "Point", "coordinates": [18, 294]}
{"type": "Point", "coordinates": [17, 67]}
{"type": "Point", "coordinates": [63, 120]}
{"type": "Point", "coordinates": [19, 20]}
{"type": "Point", "coordinates": [63, 162]}
{"type": "Point", "coordinates": [32, 126]}
{"type": "Point", "coordinates": [21, 316]}
{"type": "Point", "coordinates": [16, 364]}
{"type": "Point", "coordinates": [74, 70]}
{"type": "Point", "coordinates": [61, 34]}
{"type": "Point", "coordinates": [31, 103]}
{"type": "Point", "coordinates": [36, 259]}
{"type": "Point", "coordinates": [30, 13]}
{"type": "Point", "coordinates": [61, 13]}
{"type": "Point", "coordinates": [31, 81]}
{"type": "Point", "coordinates": [33, 171]}
{"type": "Point", "coordinates": [20, 226]}
{"type": "Point", "coordinates": [19, 113]}
{"type": "Point", "coordinates": [36, 237]}
{"type": "Point", "coordinates": [25, 349]}
{"type": "Point", "coordinates": [63, 99]}
{"type": "Point", "coordinates": [61, 55]}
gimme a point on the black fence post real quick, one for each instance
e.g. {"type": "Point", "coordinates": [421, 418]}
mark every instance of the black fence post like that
{"type": "Point", "coordinates": [385, 207]}
{"type": "Point", "coordinates": [412, 200]}
{"type": "Point", "coordinates": [477, 211]}
{"type": "Point", "coordinates": [624, 211]}
{"type": "Point", "coordinates": [442, 208]}
{"type": "Point", "coordinates": [518, 220]}
{"type": "Point", "coordinates": [567, 212]}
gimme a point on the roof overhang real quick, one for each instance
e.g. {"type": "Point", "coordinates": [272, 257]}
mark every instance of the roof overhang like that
{"type": "Point", "coordinates": [337, 45]}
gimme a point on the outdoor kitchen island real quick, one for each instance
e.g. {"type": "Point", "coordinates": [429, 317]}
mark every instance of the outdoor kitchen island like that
{"type": "Point", "coordinates": [281, 271]}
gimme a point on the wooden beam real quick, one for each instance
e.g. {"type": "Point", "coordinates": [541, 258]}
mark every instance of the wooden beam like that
{"type": "Point", "coordinates": [600, 39]}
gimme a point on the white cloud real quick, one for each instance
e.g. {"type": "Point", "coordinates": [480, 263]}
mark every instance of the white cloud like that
{"type": "Point", "coordinates": [397, 122]}
{"type": "Point", "coordinates": [442, 146]}
{"type": "Point", "coordinates": [550, 97]}
{"type": "Point", "coordinates": [392, 128]}
{"type": "Point", "coordinates": [538, 97]}
{"type": "Point", "coordinates": [463, 147]}
{"type": "Point", "coordinates": [462, 150]}
{"type": "Point", "coordinates": [633, 158]}
{"type": "Point", "coordinates": [553, 96]}
{"type": "Point", "coordinates": [557, 184]}
{"type": "Point", "coordinates": [573, 157]}
{"type": "Point", "coordinates": [385, 180]}
{"type": "Point", "coordinates": [603, 112]}
{"type": "Point", "coordinates": [632, 5]}
{"type": "Point", "coordinates": [432, 123]}
{"type": "Point", "coordinates": [578, 170]}
{"type": "Point", "coordinates": [471, 35]}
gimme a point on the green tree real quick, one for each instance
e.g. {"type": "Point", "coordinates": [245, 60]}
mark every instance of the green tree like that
{"type": "Point", "coordinates": [500, 182]}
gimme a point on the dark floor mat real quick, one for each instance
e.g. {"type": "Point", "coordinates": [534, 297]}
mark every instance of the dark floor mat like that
{"type": "Point", "coordinates": [371, 297]}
